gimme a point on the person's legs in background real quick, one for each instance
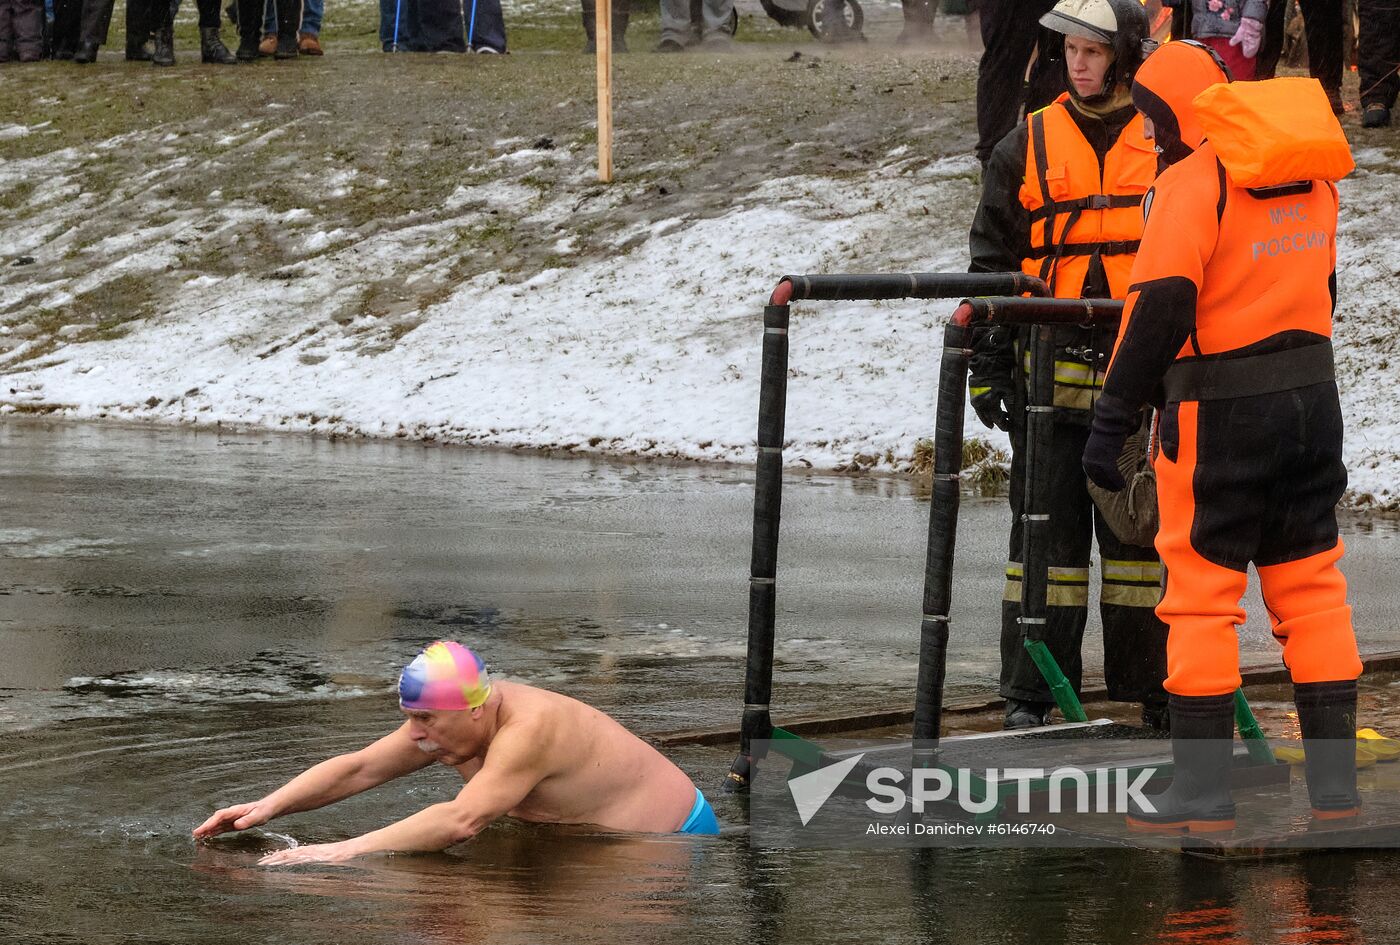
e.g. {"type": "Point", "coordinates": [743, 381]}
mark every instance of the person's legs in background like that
{"type": "Point", "coordinates": [267, 45]}
{"type": "Point", "coordinates": [67, 17]}
{"type": "Point", "coordinates": [1010, 30]}
{"type": "Point", "coordinates": [715, 17]}
{"type": "Point", "coordinates": [487, 25]}
{"type": "Point", "coordinates": [675, 26]}
{"type": "Point", "coordinates": [96, 20]}
{"type": "Point", "coordinates": [288, 20]}
{"type": "Point", "coordinates": [211, 44]}
{"type": "Point", "coordinates": [154, 18]}
{"type": "Point", "coordinates": [309, 35]}
{"type": "Point", "coordinates": [620, 14]}
{"type": "Point", "coordinates": [1266, 63]}
{"type": "Point", "coordinates": [250, 21]}
{"type": "Point", "coordinates": [441, 27]}
{"type": "Point", "coordinates": [1379, 60]}
{"type": "Point", "coordinates": [1322, 22]}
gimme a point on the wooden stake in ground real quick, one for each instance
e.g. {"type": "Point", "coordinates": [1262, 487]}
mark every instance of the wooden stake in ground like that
{"type": "Point", "coordinates": [603, 33]}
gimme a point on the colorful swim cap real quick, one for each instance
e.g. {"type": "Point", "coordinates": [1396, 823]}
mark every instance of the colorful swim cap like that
{"type": "Point", "coordinates": [445, 676]}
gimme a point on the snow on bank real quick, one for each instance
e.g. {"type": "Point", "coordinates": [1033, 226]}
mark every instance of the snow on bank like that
{"type": "Point", "coordinates": [654, 351]}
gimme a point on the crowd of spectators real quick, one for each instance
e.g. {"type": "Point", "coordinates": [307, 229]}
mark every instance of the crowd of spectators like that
{"type": "Point", "coordinates": [1018, 71]}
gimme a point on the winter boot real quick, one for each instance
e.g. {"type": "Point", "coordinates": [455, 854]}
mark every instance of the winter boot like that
{"type": "Point", "coordinates": [918, 23]}
{"type": "Point", "coordinates": [250, 13]}
{"type": "Point", "coordinates": [620, 15]}
{"type": "Point", "coordinates": [212, 48]}
{"type": "Point", "coordinates": [288, 23]}
{"type": "Point", "coordinates": [1203, 746]}
{"type": "Point", "coordinates": [1327, 717]}
{"type": "Point", "coordinates": [1026, 714]}
{"type": "Point", "coordinates": [164, 53]}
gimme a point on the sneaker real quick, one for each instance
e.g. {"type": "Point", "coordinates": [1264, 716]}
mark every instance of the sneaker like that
{"type": "Point", "coordinates": [309, 44]}
{"type": "Point", "coordinates": [487, 51]}
{"type": "Point", "coordinates": [268, 45]}
{"type": "Point", "coordinates": [1376, 115]}
{"type": "Point", "coordinates": [670, 46]}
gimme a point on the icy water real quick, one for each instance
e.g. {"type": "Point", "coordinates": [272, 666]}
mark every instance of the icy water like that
{"type": "Point", "coordinates": [188, 619]}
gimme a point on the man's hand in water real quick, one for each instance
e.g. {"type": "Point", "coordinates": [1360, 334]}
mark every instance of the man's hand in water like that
{"type": "Point", "coordinates": [314, 853]}
{"type": "Point", "coordinates": [237, 817]}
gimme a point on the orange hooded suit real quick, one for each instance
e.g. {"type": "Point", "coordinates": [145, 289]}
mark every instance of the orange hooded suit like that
{"type": "Point", "coordinates": [1227, 326]}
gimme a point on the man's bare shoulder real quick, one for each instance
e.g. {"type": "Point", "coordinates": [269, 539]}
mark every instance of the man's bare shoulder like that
{"type": "Point", "coordinates": [542, 718]}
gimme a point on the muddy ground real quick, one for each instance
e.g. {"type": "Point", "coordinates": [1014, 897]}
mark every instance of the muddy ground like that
{"type": "Point", "coordinates": [369, 143]}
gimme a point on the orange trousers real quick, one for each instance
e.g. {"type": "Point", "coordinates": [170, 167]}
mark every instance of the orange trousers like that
{"type": "Point", "coordinates": [1253, 480]}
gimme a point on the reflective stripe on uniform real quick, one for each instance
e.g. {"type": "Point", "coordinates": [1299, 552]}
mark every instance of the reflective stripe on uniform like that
{"type": "Point", "coordinates": [1132, 595]}
{"type": "Point", "coordinates": [1132, 583]}
{"type": "Point", "coordinates": [1132, 571]}
{"type": "Point", "coordinates": [1011, 593]}
{"type": "Point", "coordinates": [1065, 587]}
{"type": "Point", "coordinates": [1076, 384]}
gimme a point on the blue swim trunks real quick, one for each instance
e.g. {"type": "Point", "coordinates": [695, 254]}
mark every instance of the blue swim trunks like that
{"type": "Point", "coordinates": [702, 819]}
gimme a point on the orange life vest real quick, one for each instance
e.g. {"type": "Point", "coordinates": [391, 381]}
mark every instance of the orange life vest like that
{"type": "Point", "coordinates": [1078, 212]}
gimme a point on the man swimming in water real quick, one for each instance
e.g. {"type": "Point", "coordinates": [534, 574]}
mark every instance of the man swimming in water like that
{"type": "Point", "coordinates": [523, 752]}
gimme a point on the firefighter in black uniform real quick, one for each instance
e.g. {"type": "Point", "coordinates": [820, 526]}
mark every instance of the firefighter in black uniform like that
{"type": "Point", "coordinates": [1061, 200]}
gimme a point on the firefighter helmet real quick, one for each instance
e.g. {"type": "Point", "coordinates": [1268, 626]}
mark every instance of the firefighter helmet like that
{"type": "Point", "coordinates": [1121, 25]}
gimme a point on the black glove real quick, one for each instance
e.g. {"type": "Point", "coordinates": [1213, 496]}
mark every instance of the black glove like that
{"type": "Point", "coordinates": [991, 400]}
{"type": "Point", "coordinates": [1113, 423]}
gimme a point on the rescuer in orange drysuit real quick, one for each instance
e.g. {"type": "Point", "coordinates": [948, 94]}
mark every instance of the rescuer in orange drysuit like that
{"type": "Point", "coordinates": [1228, 323]}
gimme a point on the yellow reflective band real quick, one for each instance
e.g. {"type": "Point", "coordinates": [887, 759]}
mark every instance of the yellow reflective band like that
{"type": "Point", "coordinates": [1139, 571]}
{"type": "Point", "coordinates": [1131, 595]}
{"type": "Point", "coordinates": [1068, 575]}
{"type": "Point", "coordinates": [978, 391]}
{"type": "Point", "coordinates": [1011, 593]}
{"type": "Point", "coordinates": [1067, 595]}
{"type": "Point", "coordinates": [1014, 570]}
{"type": "Point", "coordinates": [1073, 372]}
{"type": "Point", "coordinates": [1075, 398]}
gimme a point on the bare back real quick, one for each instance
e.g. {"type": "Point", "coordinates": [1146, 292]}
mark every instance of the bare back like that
{"type": "Point", "coordinates": [592, 770]}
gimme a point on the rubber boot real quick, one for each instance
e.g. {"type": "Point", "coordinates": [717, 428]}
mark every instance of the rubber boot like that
{"type": "Point", "coordinates": [1026, 714]}
{"type": "Point", "coordinates": [918, 23]}
{"type": "Point", "coordinates": [1157, 717]}
{"type": "Point", "coordinates": [1203, 746]}
{"type": "Point", "coordinates": [1327, 718]}
{"type": "Point", "coordinates": [212, 48]}
{"type": "Point", "coordinates": [164, 53]}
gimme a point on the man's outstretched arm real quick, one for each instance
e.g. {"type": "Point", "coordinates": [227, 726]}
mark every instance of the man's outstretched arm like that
{"type": "Point", "coordinates": [509, 775]}
{"type": "Point", "coordinates": [332, 780]}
